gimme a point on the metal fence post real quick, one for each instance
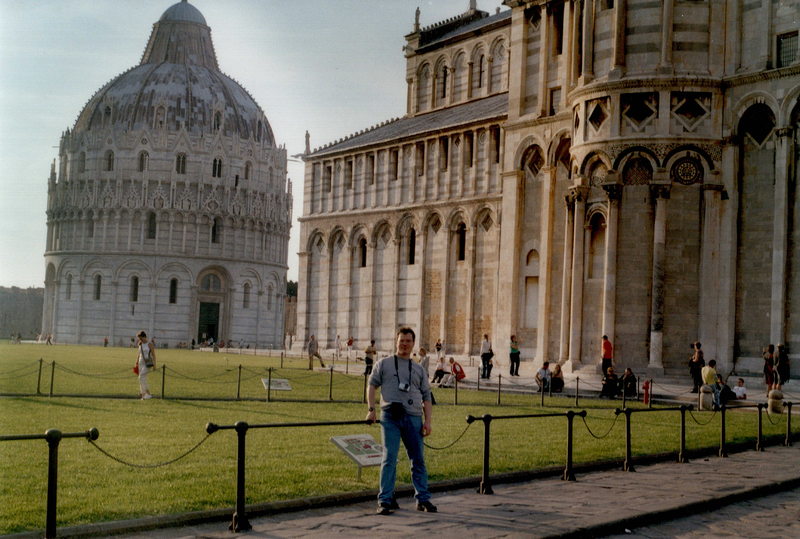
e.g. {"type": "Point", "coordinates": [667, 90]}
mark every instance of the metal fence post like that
{"type": "Point", "coordinates": [269, 382]}
{"type": "Point", "coordinates": [239, 383]}
{"type": "Point", "coordinates": [240, 522]}
{"type": "Point", "coordinates": [485, 486]}
{"type": "Point", "coordinates": [788, 441]}
{"type": "Point", "coordinates": [682, 454]}
{"type": "Point", "coordinates": [577, 386]}
{"type": "Point", "coordinates": [569, 475]}
{"type": "Point", "coordinates": [650, 402]}
{"type": "Point", "coordinates": [163, 378]}
{"type": "Point", "coordinates": [759, 444]}
{"type": "Point", "coordinates": [281, 360]}
{"type": "Point", "coordinates": [52, 376]}
{"type": "Point", "coordinates": [330, 386]}
{"type": "Point", "coordinates": [364, 393]}
{"type": "Point", "coordinates": [499, 383]}
{"type": "Point", "coordinates": [627, 466]}
{"type": "Point", "coordinates": [541, 397]}
{"type": "Point", "coordinates": [723, 452]}
{"type": "Point", "coordinates": [39, 380]}
{"type": "Point", "coordinates": [455, 392]}
{"type": "Point", "coordinates": [53, 437]}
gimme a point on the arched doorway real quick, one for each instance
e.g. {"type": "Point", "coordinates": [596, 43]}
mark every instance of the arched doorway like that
{"type": "Point", "coordinates": [212, 304]}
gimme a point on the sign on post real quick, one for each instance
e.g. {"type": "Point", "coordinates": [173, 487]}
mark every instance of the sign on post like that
{"type": "Point", "coordinates": [361, 448]}
{"type": "Point", "coordinates": [276, 384]}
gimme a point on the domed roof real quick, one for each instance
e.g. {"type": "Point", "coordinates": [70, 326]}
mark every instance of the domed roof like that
{"type": "Point", "coordinates": [177, 85]}
{"type": "Point", "coordinates": [183, 11]}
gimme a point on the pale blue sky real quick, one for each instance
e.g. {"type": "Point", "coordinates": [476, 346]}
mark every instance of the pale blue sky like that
{"type": "Point", "coordinates": [331, 67]}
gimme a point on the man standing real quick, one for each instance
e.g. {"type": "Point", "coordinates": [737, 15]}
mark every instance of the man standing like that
{"type": "Point", "coordinates": [486, 355]}
{"type": "Point", "coordinates": [608, 350]}
{"type": "Point", "coordinates": [313, 351]}
{"type": "Point", "coordinates": [405, 399]}
{"type": "Point", "coordinates": [711, 378]}
{"type": "Point", "coordinates": [369, 357]}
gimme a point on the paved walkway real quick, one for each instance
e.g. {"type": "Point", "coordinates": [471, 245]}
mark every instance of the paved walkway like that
{"type": "Point", "coordinates": [596, 505]}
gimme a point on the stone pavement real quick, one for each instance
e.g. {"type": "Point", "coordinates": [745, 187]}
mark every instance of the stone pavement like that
{"type": "Point", "coordinates": [596, 505]}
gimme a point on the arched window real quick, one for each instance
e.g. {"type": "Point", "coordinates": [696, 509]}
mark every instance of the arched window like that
{"type": "Point", "coordinates": [412, 246]}
{"type": "Point", "coordinates": [98, 285]}
{"type": "Point", "coordinates": [82, 162]}
{"type": "Point", "coordinates": [216, 230]}
{"type": "Point", "coordinates": [443, 82]}
{"type": "Point", "coordinates": [160, 115]}
{"type": "Point", "coordinates": [110, 161]}
{"type": "Point", "coordinates": [144, 161]}
{"type": "Point", "coordinates": [217, 121]}
{"type": "Point", "coordinates": [597, 248]}
{"type": "Point", "coordinates": [69, 287]}
{"type": "Point", "coordinates": [461, 231]}
{"type": "Point", "coordinates": [151, 226]}
{"type": "Point", "coordinates": [362, 245]}
{"type": "Point", "coordinates": [173, 291]}
{"type": "Point", "coordinates": [107, 115]}
{"type": "Point", "coordinates": [258, 131]}
{"type": "Point", "coordinates": [90, 227]}
{"type": "Point", "coordinates": [216, 168]}
{"type": "Point", "coordinates": [210, 283]}
{"type": "Point", "coordinates": [180, 163]}
{"type": "Point", "coordinates": [481, 70]}
{"type": "Point", "coordinates": [246, 296]}
{"type": "Point", "coordinates": [247, 168]}
{"type": "Point", "coordinates": [134, 295]}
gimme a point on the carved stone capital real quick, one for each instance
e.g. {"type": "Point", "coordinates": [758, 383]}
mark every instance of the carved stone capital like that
{"type": "Point", "coordinates": [579, 192]}
{"type": "Point", "coordinates": [660, 190]}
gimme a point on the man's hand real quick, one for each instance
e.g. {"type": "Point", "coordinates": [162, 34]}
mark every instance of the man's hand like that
{"type": "Point", "coordinates": [426, 429]}
{"type": "Point", "coordinates": [370, 417]}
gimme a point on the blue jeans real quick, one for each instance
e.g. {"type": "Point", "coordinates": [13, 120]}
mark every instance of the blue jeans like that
{"type": "Point", "coordinates": [409, 430]}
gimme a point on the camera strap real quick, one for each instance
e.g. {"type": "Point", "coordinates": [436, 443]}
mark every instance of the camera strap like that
{"type": "Point", "coordinates": [397, 370]}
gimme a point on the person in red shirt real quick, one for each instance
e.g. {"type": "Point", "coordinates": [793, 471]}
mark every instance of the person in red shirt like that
{"type": "Point", "coordinates": [607, 354]}
{"type": "Point", "coordinates": [456, 372]}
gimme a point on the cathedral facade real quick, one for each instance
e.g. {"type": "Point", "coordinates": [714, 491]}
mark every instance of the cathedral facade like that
{"type": "Point", "coordinates": [568, 170]}
{"type": "Point", "coordinates": [169, 209]}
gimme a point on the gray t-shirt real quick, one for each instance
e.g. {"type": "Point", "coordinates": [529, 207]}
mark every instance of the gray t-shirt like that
{"type": "Point", "coordinates": [388, 379]}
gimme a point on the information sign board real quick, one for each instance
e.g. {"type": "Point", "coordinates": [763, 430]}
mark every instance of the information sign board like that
{"type": "Point", "coordinates": [276, 384]}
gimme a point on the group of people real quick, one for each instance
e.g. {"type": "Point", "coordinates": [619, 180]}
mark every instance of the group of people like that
{"type": "Point", "coordinates": [16, 337]}
{"type": "Point", "coordinates": [549, 381]}
{"type": "Point", "coordinates": [614, 386]}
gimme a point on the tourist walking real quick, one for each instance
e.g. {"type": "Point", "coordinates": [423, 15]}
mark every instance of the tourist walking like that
{"type": "Point", "coordinates": [781, 360]}
{"type": "Point", "coordinates": [608, 354]}
{"type": "Point", "coordinates": [313, 351]}
{"type": "Point", "coordinates": [438, 349]}
{"type": "Point", "coordinates": [405, 415]}
{"type": "Point", "coordinates": [369, 356]}
{"type": "Point", "coordinates": [769, 367]}
{"type": "Point", "coordinates": [513, 356]}
{"type": "Point", "coordinates": [145, 361]}
{"type": "Point", "coordinates": [486, 355]}
{"type": "Point", "coordinates": [696, 364]}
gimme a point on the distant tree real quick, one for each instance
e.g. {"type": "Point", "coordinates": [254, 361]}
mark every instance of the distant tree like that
{"type": "Point", "coordinates": [291, 289]}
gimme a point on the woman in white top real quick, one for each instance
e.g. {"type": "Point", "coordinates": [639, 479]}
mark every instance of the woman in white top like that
{"type": "Point", "coordinates": [441, 370]}
{"type": "Point", "coordinates": [146, 362]}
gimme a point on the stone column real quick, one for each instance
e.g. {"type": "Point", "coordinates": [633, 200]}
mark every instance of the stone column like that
{"type": "Point", "coordinates": [665, 66]}
{"type": "Point", "coordinates": [565, 73]}
{"type": "Point", "coordinates": [370, 286]}
{"type": "Point", "coordinates": [54, 316]}
{"type": "Point", "coordinates": [508, 284]}
{"type": "Point", "coordinates": [544, 59]}
{"type": "Point", "coordinates": [152, 324]}
{"type": "Point", "coordinates": [780, 234]}
{"type": "Point", "coordinates": [614, 191]}
{"type": "Point", "coordinates": [421, 330]}
{"type": "Point", "coordinates": [660, 191]}
{"type": "Point", "coordinates": [574, 60]}
{"type": "Point", "coordinates": [304, 271]}
{"type": "Point", "coordinates": [711, 286]}
{"type": "Point", "coordinates": [620, 27]}
{"type": "Point", "coordinates": [545, 261]}
{"type": "Point", "coordinates": [394, 263]}
{"type": "Point", "coordinates": [576, 306]}
{"type": "Point", "coordinates": [566, 279]}
{"type": "Point", "coordinates": [410, 97]}
{"type": "Point", "coordinates": [259, 300]}
{"type": "Point", "coordinates": [588, 42]}
{"type": "Point", "coordinates": [517, 66]}
{"type": "Point", "coordinates": [445, 284]}
{"type": "Point", "coordinates": [434, 85]}
{"type": "Point", "coordinates": [113, 316]}
{"type": "Point", "coordinates": [489, 64]}
{"type": "Point", "coordinates": [452, 89]}
{"type": "Point", "coordinates": [470, 307]}
{"type": "Point", "coordinates": [470, 70]}
{"type": "Point", "coordinates": [79, 316]}
{"type": "Point", "coordinates": [350, 253]}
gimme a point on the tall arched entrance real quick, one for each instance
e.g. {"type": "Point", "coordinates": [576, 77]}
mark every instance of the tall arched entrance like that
{"type": "Point", "coordinates": [212, 304]}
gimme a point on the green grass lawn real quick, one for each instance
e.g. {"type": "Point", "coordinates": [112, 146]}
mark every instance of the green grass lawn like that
{"type": "Point", "coordinates": [282, 463]}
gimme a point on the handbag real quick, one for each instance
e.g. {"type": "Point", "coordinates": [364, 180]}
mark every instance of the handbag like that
{"type": "Point", "coordinates": [148, 361]}
{"type": "Point", "coordinates": [136, 368]}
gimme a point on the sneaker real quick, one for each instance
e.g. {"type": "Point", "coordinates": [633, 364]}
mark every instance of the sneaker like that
{"type": "Point", "coordinates": [147, 396]}
{"type": "Point", "coordinates": [426, 507]}
{"type": "Point", "coordinates": [393, 505]}
{"type": "Point", "coordinates": [384, 509]}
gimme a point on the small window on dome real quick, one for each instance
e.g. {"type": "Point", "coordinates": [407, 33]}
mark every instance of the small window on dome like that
{"type": "Point", "coordinates": [247, 168]}
{"type": "Point", "coordinates": [107, 116]}
{"type": "Point", "coordinates": [217, 121]}
{"type": "Point", "coordinates": [161, 113]}
{"type": "Point", "coordinates": [258, 131]}
{"type": "Point", "coordinates": [110, 161]}
{"type": "Point", "coordinates": [144, 161]}
{"type": "Point", "coordinates": [216, 168]}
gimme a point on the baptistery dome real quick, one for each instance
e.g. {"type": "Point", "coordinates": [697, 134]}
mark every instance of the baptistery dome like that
{"type": "Point", "coordinates": [170, 208]}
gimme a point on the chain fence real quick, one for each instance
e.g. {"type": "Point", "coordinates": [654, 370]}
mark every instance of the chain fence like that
{"type": "Point", "coordinates": [600, 437]}
{"type": "Point", "coordinates": [147, 466]}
